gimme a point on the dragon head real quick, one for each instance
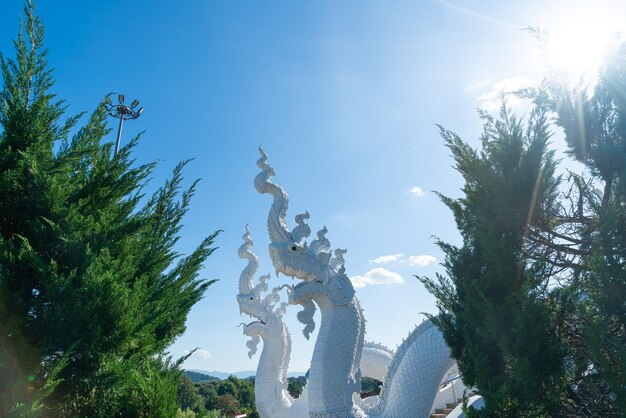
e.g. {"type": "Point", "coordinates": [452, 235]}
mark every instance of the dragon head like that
{"type": "Point", "coordinates": [252, 300]}
{"type": "Point", "coordinates": [290, 254]}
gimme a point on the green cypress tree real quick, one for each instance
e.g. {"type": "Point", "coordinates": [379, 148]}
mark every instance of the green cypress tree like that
{"type": "Point", "coordinates": [595, 131]}
{"type": "Point", "coordinates": [493, 303]}
{"type": "Point", "coordinates": [92, 290]}
{"type": "Point", "coordinates": [551, 342]}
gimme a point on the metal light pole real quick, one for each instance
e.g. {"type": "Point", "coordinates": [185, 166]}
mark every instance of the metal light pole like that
{"type": "Point", "coordinates": [122, 112]}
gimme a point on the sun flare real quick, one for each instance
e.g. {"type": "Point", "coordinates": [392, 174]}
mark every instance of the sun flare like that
{"type": "Point", "coordinates": [579, 38]}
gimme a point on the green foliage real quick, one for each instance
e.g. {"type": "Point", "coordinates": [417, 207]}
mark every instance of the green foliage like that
{"type": "Point", "coordinates": [368, 384]}
{"type": "Point", "coordinates": [188, 395]}
{"type": "Point", "coordinates": [208, 414]}
{"type": "Point", "coordinates": [230, 396]}
{"type": "Point", "coordinates": [595, 130]}
{"type": "Point", "coordinates": [532, 305]}
{"type": "Point", "coordinates": [492, 304]}
{"type": "Point", "coordinates": [295, 385]}
{"type": "Point", "coordinates": [228, 404]}
{"type": "Point", "coordinates": [92, 291]}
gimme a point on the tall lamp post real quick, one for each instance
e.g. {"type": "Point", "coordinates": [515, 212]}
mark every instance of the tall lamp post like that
{"type": "Point", "coordinates": [122, 112]}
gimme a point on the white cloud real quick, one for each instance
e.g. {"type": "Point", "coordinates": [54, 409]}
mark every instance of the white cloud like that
{"type": "Point", "coordinates": [422, 260]}
{"type": "Point", "coordinates": [417, 191]}
{"type": "Point", "coordinates": [377, 276]}
{"type": "Point", "coordinates": [384, 259]}
{"type": "Point", "coordinates": [491, 100]}
{"type": "Point", "coordinates": [200, 352]}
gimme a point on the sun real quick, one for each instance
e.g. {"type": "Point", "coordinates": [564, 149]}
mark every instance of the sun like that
{"type": "Point", "coordinates": [579, 37]}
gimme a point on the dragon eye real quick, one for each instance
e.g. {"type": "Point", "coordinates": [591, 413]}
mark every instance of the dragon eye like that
{"type": "Point", "coordinates": [251, 298]}
{"type": "Point", "coordinates": [294, 248]}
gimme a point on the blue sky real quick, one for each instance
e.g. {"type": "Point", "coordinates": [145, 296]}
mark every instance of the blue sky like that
{"type": "Point", "coordinates": [343, 96]}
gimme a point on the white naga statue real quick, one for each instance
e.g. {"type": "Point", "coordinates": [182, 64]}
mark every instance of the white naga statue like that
{"type": "Point", "coordinates": [271, 395]}
{"type": "Point", "coordinates": [340, 358]}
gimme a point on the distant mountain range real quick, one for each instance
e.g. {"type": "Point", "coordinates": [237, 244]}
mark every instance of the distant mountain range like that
{"type": "Point", "coordinates": [239, 375]}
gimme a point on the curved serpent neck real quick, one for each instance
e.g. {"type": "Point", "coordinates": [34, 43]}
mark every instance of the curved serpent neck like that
{"type": "Point", "coordinates": [420, 364]}
{"type": "Point", "coordinates": [334, 375]}
{"type": "Point", "coordinates": [271, 396]}
{"type": "Point", "coordinates": [270, 386]}
{"type": "Point", "coordinates": [375, 360]}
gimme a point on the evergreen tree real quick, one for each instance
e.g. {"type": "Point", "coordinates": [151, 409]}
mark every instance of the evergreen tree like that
{"type": "Point", "coordinates": [188, 394]}
{"type": "Point", "coordinates": [92, 291]}
{"type": "Point", "coordinates": [533, 302]}
{"type": "Point", "coordinates": [493, 305]}
{"type": "Point", "coordinates": [595, 131]}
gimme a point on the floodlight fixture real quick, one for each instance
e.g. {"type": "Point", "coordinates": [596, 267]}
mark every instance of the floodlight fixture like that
{"type": "Point", "coordinates": [122, 112]}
